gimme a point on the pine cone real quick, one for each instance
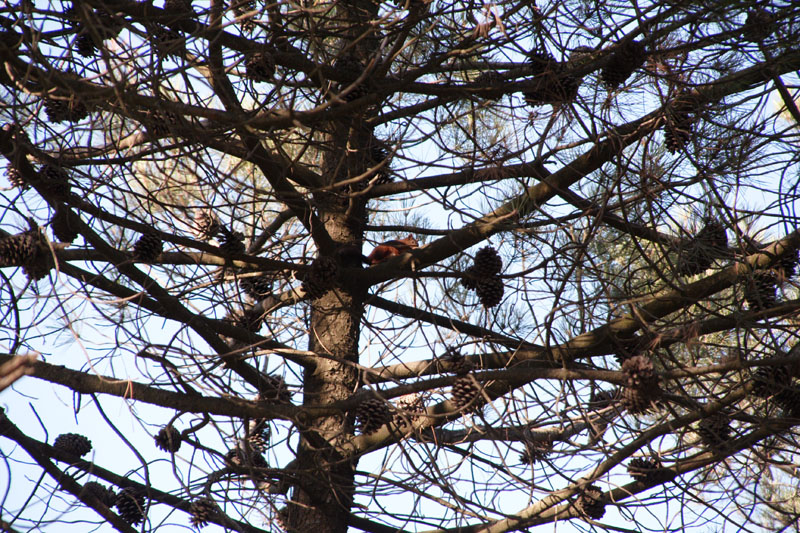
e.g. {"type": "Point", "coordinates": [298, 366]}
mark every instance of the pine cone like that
{"type": "Point", "coordinates": [260, 66]}
{"type": "Point", "coordinates": [553, 85]}
{"type": "Point", "coordinates": [274, 389]}
{"type": "Point", "coordinates": [786, 266]}
{"type": "Point", "coordinates": [202, 510]}
{"type": "Point", "coordinates": [256, 288]}
{"type": "Point", "coordinates": [622, 63]}
{"type": "Point", "coordinates": [602, 399]}
{"type": "Point", "coordinates": [715, 430]}
{"type": "Point", "coordinates": [470, 280]}
{"type": "Point", "coordinates": [372, 414]}
{"type": "Point", "coordinates": [59, 110]}
{"type": "Point", "coordinates": [55, 181]}
{"type": "Point", "coordinates": [73, 443]}
{"type": "Point", "coordinates": [639, 373]}
{"type": "Point", "coordinates": [760, 292]}
{"type": "Point", "coordinates": [258, 435]}
{"type": "Point", "coordinates": [205, 224]}
{"type": "Point", "coordinates": [646, 469]}
{"type": "Point", "coordinates": [20, 249]}
{"type": "Point", "coordinates": [232, 243]}
{"type": "Point", "coordinates": [679, 120]}
{"type": "Point", "coordinates": [591, 502]}
{"type": "Point", "coordinates": [179, 8]}
{"type": "Point", "coordinates": [60, 226]}
{"type": "Point", "coordinates": [489, 79]}
{"type": "Point", "coordinates": [490, 291]}
{"type": "Point", "coordinates": [321, 277]}
{"type": "Point", "coordinates": [167, 41]}
{"type": "Point", "coordinates": [759, 25]}
{"type": "Point", "coordinates": [699, 254]}
{"type": "Point", "coordinates": [789, 401]}
{"type": "Point", "coordinates": [466, 393]}
{"type": "Point", "coordinates": [148, 248]}
{"type": "Point", "coordinates": [455, 361]}
{"type": "Point", "coordinates": [131, 505]}
{"type": "Point", "coordinates": [408, 409]}
{"type": "Point", "coordinates": [86, 45]}
{"type": "Point", "coordinates": [169, 439]}
{"type": "Point", "coordinates": [770, 381]}
{"type": "Point", "coordinates": [488, 263]}
{"type": "Point", "coordinates": [159, 123]}
{"type": "Point", "coordinates": [241, 8]}
{"type": "Point", "coordinates": [106, 495]}
{"type": "Point", "coordinates": [636, 401]}
{"type": "Point", "coordinates": [14, 177]}
{"type": "Point", "coordinates": [535, 451]}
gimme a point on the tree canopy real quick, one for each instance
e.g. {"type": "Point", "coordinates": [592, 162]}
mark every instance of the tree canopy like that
{"type": "Point", "coordinates": [407, 266]}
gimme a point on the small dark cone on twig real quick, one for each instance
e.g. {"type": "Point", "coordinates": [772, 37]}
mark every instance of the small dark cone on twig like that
{"type": "Point", "coordinates": [85, 45]}
{"type": "Point", "coordinates": [681, 115]}
{"type": "Point", "coordinates": [770, 381]}
{"type": "Point", "coordinates": [60, 226]}
{"type": "Point", "coordinates": [130, 505]}
{"type": "Point", "coordinates": [148, 248]}
{"type": "Point", "coordinates": [639, 373]}
{"type": "Point", "coordinates": [760, 291]}
{"type": "Point", "coordinates": [465, 392]}
{"type": "Point", "coordinates": [17, 250]}
{"type": "Point", "coordinates": [168, 42]}
{"type": "Point", "coordinates": [699, 254]}
{"type": "Point", "coordinates": [106, 495]}
{"type": "Point", "coordinates": [469, 279]}
{"type": "Point", "coordinates": [641, 384]}
{"type": "Point", "coordinates": [787, 265]}
{"type": "Point", "coordinates": [488, 262]}
{"type": "Point", "coordinates": [14, 177]}
{"type": "Point", "coordinates": [321, 277]}
{"type": "Point", "coordinates": [490, 81]}
{"type": "Point", "coordinates": [55, 181]}
{"type": "Point", "coordinates": [205, 224]}
{"type": "Point", "coordinates": [179, 8]}
{"type": "Point", "coordinates": [258, 435]}
{"type": "Point", "coordinates": [535, 451]}
{"type": "Point", "coordinates": [622, 63]}
{"type": "Point", "coordinates": [274, 389]}
{"type": "Point", "coordinates": [759, 25]}
{"type": "Point", "coordinates": [789, 401]}
{"type": "Point", "coordinates": [490, 291]}
{"type": "Point", "coordinates": [232, 243]}
{"type": "Point", "coordinates": [636, 401]}
{"type": "Point", "coordinates": [169, 439]}
{"type": "Point", "coordinates": [552, 85]}
{"type": "Point", "coordinates": [408, 409]}
{"type": "Point", "coordinates": [202, 510]}
{"type": "Point", "coordinates": [372, 414]}
{"type": "Point", "coordinates": [240, 9]}
{"type": "Point", "coordinates": [646, 469]}
{"type": "Point", "coordinates": [62, 110]}
{"type": "Point", "coordinates": [600, 399]}
{"type": "Point", "coordinates": [715, 430]}
{"type": "Point", "coordinates": [456, 361]}
{"type": "Point", "coordinates": [591, 502]}
{"type": "Point", "coordinates": [73, 443]}
{"type": "Point", "coordinates": [256, 288]}
{"type": "Point", "coordinates": [378, 155]}
{"type": "Point", "coordinates": [248, 317]}
{"type": "Point", "coordinates": [159, 123]}
{"type": "Point", "coordinates": [260, 66]}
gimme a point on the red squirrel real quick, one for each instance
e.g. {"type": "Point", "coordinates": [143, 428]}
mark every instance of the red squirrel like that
{"type": "Point", "coordinates": [388, 249]}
